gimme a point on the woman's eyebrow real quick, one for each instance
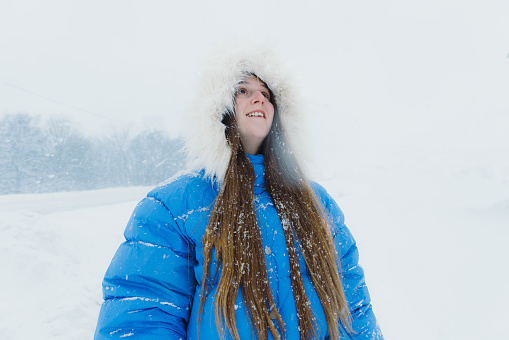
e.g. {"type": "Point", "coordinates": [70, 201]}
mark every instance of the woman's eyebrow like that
{"type": "Point", "coordinates": [262, 83]}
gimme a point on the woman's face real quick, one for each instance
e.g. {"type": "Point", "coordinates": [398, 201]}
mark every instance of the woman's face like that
{"type": "Point", "coordinates": [254, 113]}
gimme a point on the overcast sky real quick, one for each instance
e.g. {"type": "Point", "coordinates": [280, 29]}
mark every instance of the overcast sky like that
{"type": "Point", "coordinates": [422, 74]}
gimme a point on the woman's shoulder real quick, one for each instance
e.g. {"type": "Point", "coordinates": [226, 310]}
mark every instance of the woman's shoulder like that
{"type": "Point", "coordinates": [321, 193]}
{"type": "Point", "coordinates": [182, 178]}
{"type": "Point", "coordinates": [184, 186]}
{"type": "Point", "coordinates": [328, 203]}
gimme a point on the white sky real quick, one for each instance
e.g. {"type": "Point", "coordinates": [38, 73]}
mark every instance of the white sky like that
{"type": "Point", "coordinates": [420, 74]}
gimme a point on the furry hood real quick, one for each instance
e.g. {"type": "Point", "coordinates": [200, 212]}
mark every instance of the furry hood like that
{"type": "Point", "coordinates": [206, 144]}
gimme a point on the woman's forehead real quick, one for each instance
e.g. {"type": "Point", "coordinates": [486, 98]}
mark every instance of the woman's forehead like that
{"type": "Point", "coordinates": [253, 81]}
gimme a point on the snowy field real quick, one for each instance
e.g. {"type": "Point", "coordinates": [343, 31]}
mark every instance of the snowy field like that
{"type": "Point", "coordinates": [432, 232]}
{"type": "Point", "coordinates": [410, 120]}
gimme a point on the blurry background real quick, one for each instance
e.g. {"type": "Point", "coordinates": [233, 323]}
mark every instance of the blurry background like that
{"type": "Point", "coordinates": [408, 131]}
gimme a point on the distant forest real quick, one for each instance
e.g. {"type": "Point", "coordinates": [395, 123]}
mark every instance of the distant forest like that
{"type": "Point", "coordinates": [39, 156]}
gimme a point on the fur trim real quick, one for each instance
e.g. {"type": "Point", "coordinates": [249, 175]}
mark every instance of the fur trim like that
{"type": "Point", "coordinates": [206, 144]}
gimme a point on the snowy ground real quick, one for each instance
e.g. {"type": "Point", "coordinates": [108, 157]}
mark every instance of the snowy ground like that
{"type": "Point", "coordinates": [54, 251]}
{"type": "Point", "coordinates": [432, 232]}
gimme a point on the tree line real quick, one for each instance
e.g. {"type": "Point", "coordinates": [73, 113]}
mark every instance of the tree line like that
{"type": "Point", "coordinates": [39, 156]}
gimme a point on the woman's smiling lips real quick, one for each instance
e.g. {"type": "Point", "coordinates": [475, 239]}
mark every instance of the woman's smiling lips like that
{"type": "Point", "coordinates": [256, 113]}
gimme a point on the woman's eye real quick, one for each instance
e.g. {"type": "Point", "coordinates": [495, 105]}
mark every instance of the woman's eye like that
{"type": "Point", "coordinates": [242, 91]}
{"type": "Point", "coordinates": [266, 95]}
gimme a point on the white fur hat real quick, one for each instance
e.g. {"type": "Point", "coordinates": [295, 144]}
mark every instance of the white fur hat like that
{"type": "Point", "coordinates": [206, 144]}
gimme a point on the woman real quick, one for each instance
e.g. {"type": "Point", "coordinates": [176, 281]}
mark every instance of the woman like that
{"type": "Point", "coordinates": [243, 246]}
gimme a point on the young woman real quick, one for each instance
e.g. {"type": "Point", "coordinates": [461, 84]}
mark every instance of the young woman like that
{"type": "Point", "coordinates": [242, 246]}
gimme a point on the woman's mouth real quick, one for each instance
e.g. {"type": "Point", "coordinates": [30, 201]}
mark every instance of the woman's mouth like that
{"type": "Point", "coordinates": [256, 114]}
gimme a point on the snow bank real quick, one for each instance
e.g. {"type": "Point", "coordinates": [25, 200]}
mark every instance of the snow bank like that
{"type": "Point", "coordinates": [53, 262]}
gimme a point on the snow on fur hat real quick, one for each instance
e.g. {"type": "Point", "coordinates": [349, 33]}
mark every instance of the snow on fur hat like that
{"type": "Point", "coordinates": [206, 143]}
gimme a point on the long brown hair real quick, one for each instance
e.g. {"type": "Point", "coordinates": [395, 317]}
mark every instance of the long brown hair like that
{"type": "Point", "coordinates": [233, 234]}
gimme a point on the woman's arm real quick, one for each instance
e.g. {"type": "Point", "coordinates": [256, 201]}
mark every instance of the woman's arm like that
{"type": "Point", "coordinates": [352, 275]}
{"type": "Point", "coordinates": [149, 286]}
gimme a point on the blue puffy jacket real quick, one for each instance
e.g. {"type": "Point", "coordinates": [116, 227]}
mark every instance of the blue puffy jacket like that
{"type": "Point", "coordinates": [152, 287]}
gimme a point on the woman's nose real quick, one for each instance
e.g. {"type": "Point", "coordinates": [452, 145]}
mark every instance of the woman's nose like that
{"type": "Point", "coordinates": [257, 97]}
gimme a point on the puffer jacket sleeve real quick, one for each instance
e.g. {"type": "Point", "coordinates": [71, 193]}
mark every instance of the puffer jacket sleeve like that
{"type": "Point", "coordinates": [364, 322]}
{"type": "Point", "coordinates": [149, 285]}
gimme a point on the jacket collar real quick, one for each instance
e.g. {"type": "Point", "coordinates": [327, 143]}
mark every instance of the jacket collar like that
{"type": "Point", "coordinates": [259, 170]}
